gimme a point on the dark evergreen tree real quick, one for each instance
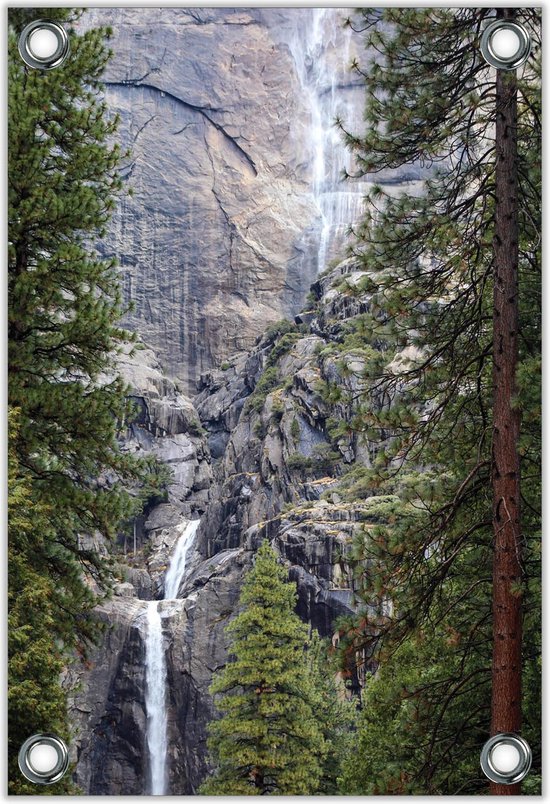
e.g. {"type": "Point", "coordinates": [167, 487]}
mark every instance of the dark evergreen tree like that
{"type": "Point", "coordinates": [427, 557]}
{"type": "Point", "coordinates": [64, 304]}
{"type": "Point", "coordinates": [67, 478]}
{"type": "Point", "coordinates": [36, 702]}
{"type": "Point", "coordinates": [334, 711]}
{"type": "Point", "coordinates": [269, 739]}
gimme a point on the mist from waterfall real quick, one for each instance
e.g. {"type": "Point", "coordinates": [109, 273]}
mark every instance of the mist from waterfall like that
{"type": "Point", "coordinates": [155, 663]}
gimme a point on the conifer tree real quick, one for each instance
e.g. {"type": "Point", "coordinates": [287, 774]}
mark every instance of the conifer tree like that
{"type": "Point", "coordinates": [36, 702]}
{"type": "Point", "coordinates": [268, 740]}
{"type": "Point", "coordinates": [336, 715]}
{"type": "Point", "coordinates": [68, 480]}
{"type": "Point", "coordinates": [431, 106]}
{"type": "Point", "coordinates": [64, 305]}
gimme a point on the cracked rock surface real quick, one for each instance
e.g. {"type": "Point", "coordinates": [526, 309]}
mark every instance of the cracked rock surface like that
{"type": "Point", "coordinates": [213, 244]}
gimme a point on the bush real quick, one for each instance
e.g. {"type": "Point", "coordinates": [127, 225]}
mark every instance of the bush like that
{"type": "Point", "coordinates": [282, 346]}
{"type": "Point", "coordinates": [277, 329]}
{"type": "Point", "coordinates": [299, 462]}
{"type": "Point", "coordinates": [266, 383]}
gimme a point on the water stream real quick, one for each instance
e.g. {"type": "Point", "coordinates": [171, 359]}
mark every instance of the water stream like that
{"type": "Point", "coordinates": [176, 571]}
{"type": "Point", "coordinates": [155, 663]}
{"type": "Point", "coordinates": [155, 699]}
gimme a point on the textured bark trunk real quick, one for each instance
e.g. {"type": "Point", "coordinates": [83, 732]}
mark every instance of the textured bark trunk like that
{"type": "Point", "coordinates": [507, 573]}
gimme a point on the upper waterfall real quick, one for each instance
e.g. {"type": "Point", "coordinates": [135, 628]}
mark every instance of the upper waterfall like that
{"type": "Point", "coordinates": [323, 50]}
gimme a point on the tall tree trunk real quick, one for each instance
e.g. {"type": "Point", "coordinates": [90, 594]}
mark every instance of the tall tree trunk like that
{"type": "Point", "coordinates": [507, 573]}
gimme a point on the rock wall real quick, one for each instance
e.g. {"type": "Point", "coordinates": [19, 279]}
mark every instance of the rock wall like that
{"type": "Point", "coordinates": [226, 115]}
{"type": "Point", "coordinates": [266, 463]}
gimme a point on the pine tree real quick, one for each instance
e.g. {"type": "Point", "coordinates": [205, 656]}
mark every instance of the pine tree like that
{"type": "Point", "coordinates": [64, 304]}
{"type": "Point", "coordinates": [36, 702]}
{"type": "Point", "coordinates": [336, 715]}
{"type": "Point", "coordinates": [68, 480]}
{"type": "Point", "coordinates": [425, 565]}
{"type": "Point", "coordinates": [268, 740]}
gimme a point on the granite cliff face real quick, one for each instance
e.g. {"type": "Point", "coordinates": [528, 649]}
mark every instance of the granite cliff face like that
{"type": "Point", "coordinates": [237, 196]}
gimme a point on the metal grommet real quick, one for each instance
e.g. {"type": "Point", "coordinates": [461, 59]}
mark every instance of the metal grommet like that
{"type": "Point", "coordinates": [43, 759]}
{"type": "Point", "coordinates": [506, 758]}
{"type": "Point", "coordinates": [505, 44]}
{"type": "Point", "coordinates": [43, 44]}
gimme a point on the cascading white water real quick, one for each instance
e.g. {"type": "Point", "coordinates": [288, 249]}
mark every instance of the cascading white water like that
{"type": "Point", "coordinates": [322, 52]}
{"type": "Point", "coordinates": [155, 663]}
{"type": "Point", "coordinates": [155, 700]}
{"type": "Point", "coordinates": [176, 570]}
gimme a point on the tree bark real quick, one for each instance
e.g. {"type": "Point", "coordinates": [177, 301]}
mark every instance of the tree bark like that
{"type": "Point", "coordinates": [507, 572]}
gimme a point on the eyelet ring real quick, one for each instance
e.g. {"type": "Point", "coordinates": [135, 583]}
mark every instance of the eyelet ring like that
{"type": "Point", "coordinates": [506, 758]}
{"type": "Point", "coordinates": [43, 759]}
{"type": "Point", "coordinates": [43, 44]}
{"type": "Point", "coordinates": [505, 44]}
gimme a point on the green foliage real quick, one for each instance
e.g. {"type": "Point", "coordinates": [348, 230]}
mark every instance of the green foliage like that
{"type": "Point", "coordinates": [283, 345]}
{"type": "Point", "coordinates": [195, 428]}
{"type": "Point", "coordinates": [311, 300]}
{"type": "Point", "coordinates": [155, 479]}
{"type": "Point", "coordinates": [69, 480]}
{"type": "Point", "coordinates": [323, 460]}
{"type": "Point", "coordinates": [419, 685]}
{"type": "Point", "coordinates": [267, 382]}
{"type": "Point", "coordinates": [64, 302]}
{"type": "Point", "coordinates": [278, 329]}
{"type": "Point", "coordinates": [283, 336]}
{"type": "Point", "coordinates": [298, 461]}
{"type": "Point", "coordinates": [277, 408]}
{"type": "Point", "coordinates": [260, 429]}
{"type": "Point", "coordinates": [336, 715]}
{"type": "Point", "coordinates": [295, 429]}
{"type": "Point", "coordinates": [36, 702]}
{"type": "Point", "coordinates": [423, 567]}
{"type": "Point", "coordinates": [269, 739]}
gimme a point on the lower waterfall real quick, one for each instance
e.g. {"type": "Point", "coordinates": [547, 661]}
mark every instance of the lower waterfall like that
{"type": "Point", "coordinates": [155, 664]}
{"type": "Point", "coordinates": [155, 700]}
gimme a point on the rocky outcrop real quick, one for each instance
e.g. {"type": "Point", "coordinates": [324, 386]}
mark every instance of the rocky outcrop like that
{"type": "Point", "coordinates": [267, 461]}
{"type": "Point", "coordinates": [165, 426]}
{"type": "Point", "coordinates": [278, 412]}
{"type": "Point", "coordinates": [106, 706]}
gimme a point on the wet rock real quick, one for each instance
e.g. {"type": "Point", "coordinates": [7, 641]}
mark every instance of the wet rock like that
{"type": "Point", "coordinates": [107, 708]}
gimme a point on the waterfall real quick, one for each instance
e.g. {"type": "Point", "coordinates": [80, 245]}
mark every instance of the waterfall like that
{"type": "Point", "coordinates": [176, 570]}
{"type": "Point", "coordinates": [322, 50]}
{"type": "Point", "coordinates": [155, 700]}
{"type": "Point", "coordinates": [155, 663]}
